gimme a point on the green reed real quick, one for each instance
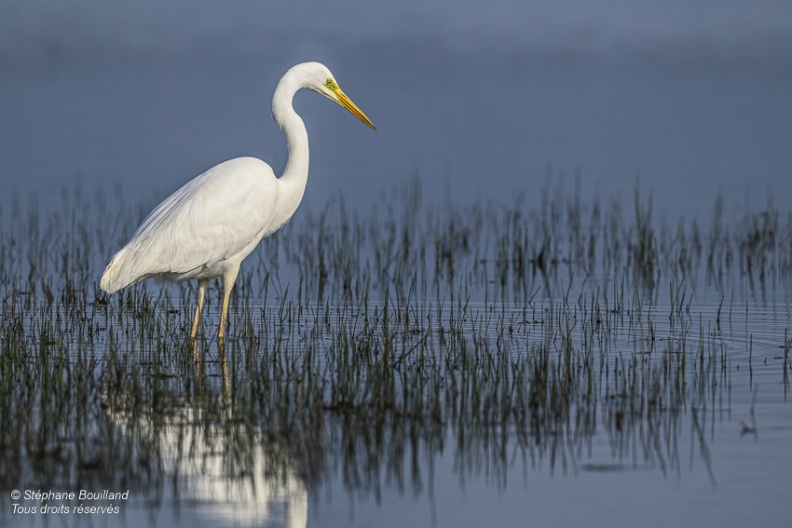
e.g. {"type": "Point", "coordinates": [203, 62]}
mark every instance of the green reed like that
{"type": "Point", "coordinates": [363, 343]}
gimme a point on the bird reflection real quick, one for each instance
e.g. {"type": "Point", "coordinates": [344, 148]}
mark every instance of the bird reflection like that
{"type": "Point", "coordinates": [217, 463]}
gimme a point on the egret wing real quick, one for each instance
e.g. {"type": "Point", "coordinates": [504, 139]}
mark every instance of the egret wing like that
{"type": "Point", "coordinates": [219, 216]}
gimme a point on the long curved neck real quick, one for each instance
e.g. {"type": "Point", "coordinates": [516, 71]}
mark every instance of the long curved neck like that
{"type": "Point", "coordinates": [295, 176]}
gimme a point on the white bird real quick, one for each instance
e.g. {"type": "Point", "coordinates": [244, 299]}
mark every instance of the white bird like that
{"type": "Point", "coordinates": [207, 228]}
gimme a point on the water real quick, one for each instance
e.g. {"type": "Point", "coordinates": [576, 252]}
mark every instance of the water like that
{"type": "Point", "coordinates": [689, 101]}
{"type": "Point", "coordinates": [419, 417]}
{"type": "Point", "coordinates": [439, 384]}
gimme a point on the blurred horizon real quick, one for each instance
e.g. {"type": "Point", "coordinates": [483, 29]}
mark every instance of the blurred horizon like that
{"type": "Point", "coordinates": [477, 100]}
{"type": "Point", "coordinates": [96, 31]}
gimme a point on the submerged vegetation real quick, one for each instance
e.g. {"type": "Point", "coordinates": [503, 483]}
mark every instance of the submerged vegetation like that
{"type": "Point", "coordinates": [364, 345]}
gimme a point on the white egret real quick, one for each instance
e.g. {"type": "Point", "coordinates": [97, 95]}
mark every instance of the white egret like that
{"type": "Point", "coordinates": [207, 228]}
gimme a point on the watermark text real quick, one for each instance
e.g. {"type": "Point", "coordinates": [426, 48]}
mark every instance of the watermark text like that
{"type": "Point", "coordinates": [54, 502]}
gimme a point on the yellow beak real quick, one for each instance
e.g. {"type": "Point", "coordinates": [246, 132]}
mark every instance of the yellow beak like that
{"type": "Point", "coordinates": [346, 102]}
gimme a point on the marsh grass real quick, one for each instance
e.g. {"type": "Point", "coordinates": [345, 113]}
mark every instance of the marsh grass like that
{"type": "Point", "coordinates": [366, 345]}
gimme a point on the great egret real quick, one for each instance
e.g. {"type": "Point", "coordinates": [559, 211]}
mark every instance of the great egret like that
{"type": "Point", "coordinates": [207, 228]}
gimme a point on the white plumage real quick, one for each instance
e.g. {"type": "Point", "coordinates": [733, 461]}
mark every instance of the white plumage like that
{"type": "Point", "coordinates": [208, 227]}
{"type": "Point", "coordinates": [223, 213]}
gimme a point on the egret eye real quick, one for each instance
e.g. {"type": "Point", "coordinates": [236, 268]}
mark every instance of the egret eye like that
{"type": "Point", "coordinates": [330, 83]}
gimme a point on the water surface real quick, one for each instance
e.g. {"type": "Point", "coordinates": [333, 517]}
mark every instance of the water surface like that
{"type": "Point", "coordinates": [449, 353]}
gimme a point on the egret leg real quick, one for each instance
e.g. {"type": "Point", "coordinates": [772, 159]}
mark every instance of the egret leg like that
{"type": "Point", "coordinates": [229, 278]}
{"type": "Point", "coordinates": [202, 284]}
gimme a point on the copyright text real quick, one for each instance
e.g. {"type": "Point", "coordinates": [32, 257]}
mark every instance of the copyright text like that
{"type": "Point", "coordinates": [82, 502]}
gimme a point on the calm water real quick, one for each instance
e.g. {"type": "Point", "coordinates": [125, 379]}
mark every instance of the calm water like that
{"type": "Point", "coordinates": [688, 100]}
{"type": "Point", "coordinates": [479, 105]}
{"type": "Point", "coordinates": [699, 467]}
{"type": "Point", "coordinates": [555, 397]}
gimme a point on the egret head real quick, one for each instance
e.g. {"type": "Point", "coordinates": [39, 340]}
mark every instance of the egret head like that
{"type": "Point", "coordinates": [323, 82]}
